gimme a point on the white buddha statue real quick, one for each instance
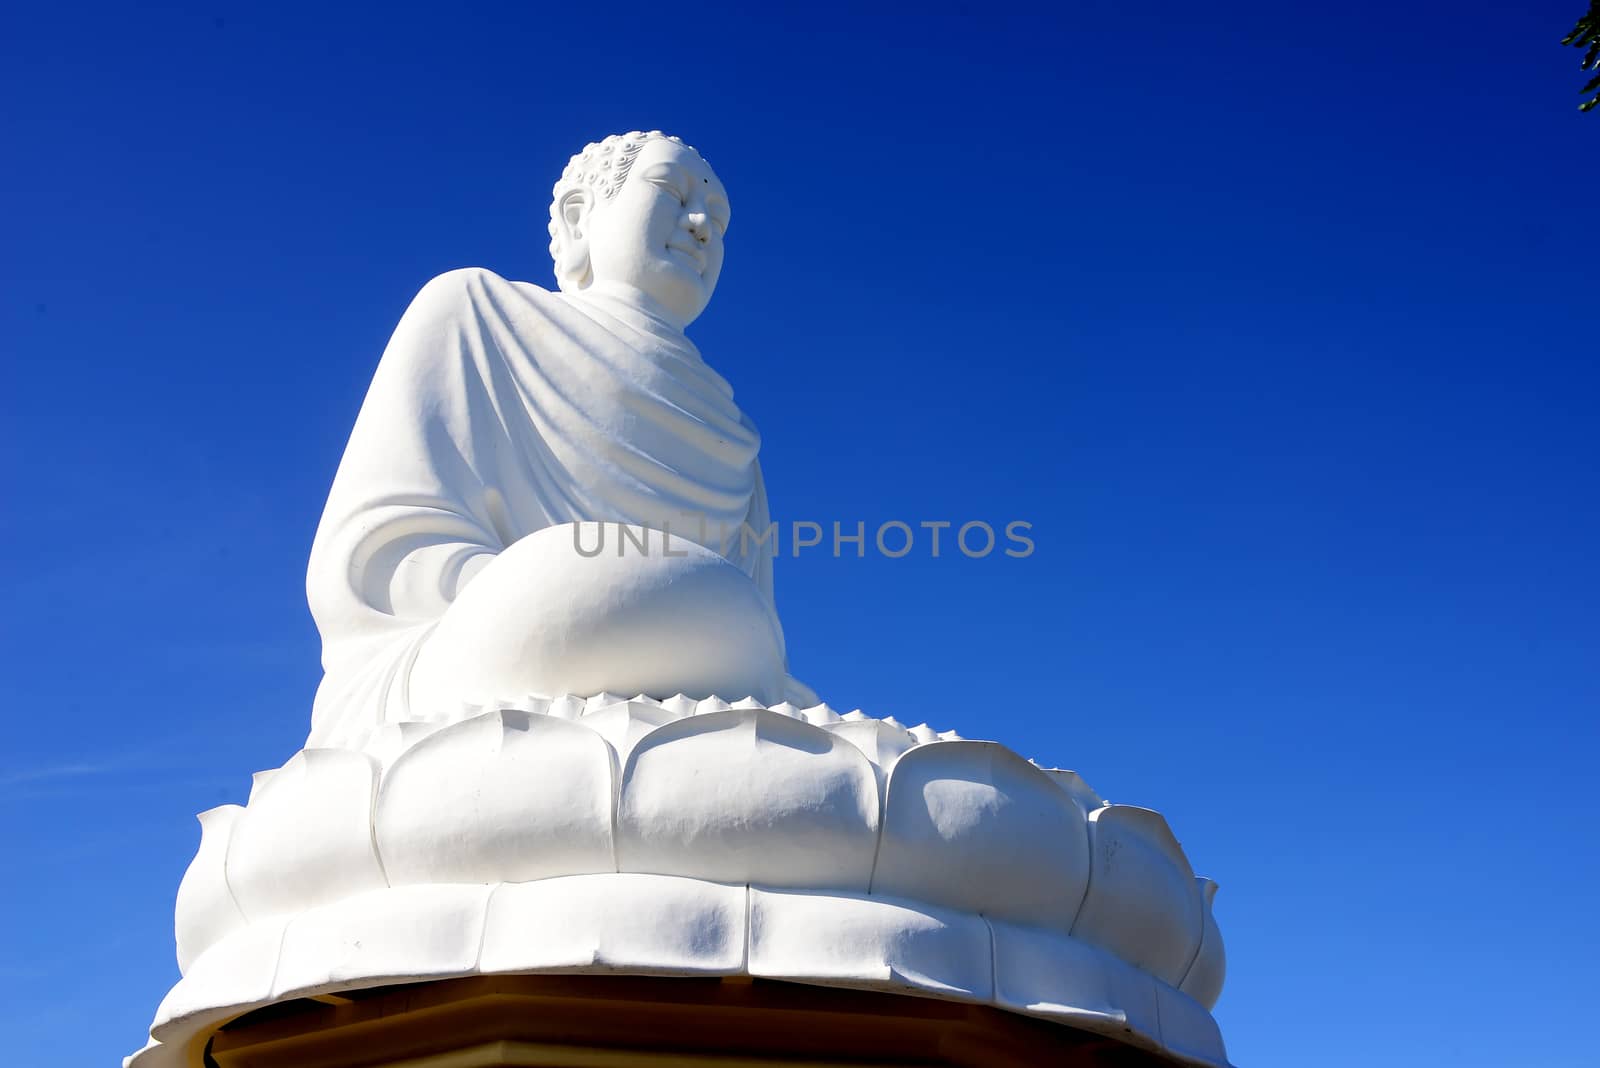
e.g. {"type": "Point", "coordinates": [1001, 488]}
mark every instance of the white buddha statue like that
{"type": "Point", "coordinates": [422, 838]}
{"type": "Point", "coordinates": [451, 566]}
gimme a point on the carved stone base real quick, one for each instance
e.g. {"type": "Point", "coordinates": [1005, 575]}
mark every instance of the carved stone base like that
{"type": "Point", "coordinates": [609, 837]}
{"type": "Point", "coordinates": [632, 1022]}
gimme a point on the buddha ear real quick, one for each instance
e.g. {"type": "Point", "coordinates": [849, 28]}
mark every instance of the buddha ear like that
{"type": "Point", "coordinates": [572, 220]}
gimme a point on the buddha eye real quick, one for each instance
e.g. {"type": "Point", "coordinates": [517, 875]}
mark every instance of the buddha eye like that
{"type": "Point", "coordinates": [666, 186]}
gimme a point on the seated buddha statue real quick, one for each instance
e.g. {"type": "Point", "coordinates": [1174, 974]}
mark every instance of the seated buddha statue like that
{"type": "Point", "coordinates": [458, 560]}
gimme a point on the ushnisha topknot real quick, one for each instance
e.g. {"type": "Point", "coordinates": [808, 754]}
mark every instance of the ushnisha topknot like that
{"type": "Point", "coordinates": [602, 166]}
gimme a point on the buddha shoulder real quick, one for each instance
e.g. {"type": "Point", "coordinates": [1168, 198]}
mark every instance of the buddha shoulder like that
{"type": "Point", "coordinates": [448, 291]}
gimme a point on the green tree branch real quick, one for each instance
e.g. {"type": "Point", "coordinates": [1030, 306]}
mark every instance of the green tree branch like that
{"type": "Point", "coordinates": [1586, 35]}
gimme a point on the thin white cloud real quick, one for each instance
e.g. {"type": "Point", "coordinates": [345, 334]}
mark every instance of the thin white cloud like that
{"type": "Point", "coordinates": [136, 759]}
{"type": "Point", "coordinates": [53, 772]}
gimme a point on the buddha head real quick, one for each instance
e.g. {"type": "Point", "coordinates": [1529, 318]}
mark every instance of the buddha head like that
{"type": "Point", "coordinates": [640, 214]}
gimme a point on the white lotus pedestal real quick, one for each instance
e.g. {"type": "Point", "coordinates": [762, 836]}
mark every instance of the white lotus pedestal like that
{"type": "Point", "coordinates": [620, 882]}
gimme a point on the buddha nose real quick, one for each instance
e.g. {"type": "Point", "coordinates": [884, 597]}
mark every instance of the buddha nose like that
{"type": "Point", "coordinates": [697, 224]}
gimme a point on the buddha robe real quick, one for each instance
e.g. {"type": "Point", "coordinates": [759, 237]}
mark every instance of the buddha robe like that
{"type": "Point", "coordinates": [500, 409]}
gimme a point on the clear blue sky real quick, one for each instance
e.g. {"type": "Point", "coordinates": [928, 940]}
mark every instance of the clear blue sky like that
{"type": "Point", "coordinates": [1277, 322]}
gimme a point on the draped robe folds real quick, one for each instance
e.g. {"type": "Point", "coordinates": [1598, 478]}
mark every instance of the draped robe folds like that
{"type": "Point", "coordinates": [499, 409]}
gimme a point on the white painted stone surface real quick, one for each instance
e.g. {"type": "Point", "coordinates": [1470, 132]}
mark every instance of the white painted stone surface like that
{"type": "Point", "coordinates": [749, 796]}
{"type": "Point", "coordinates": [305, 837]}
{"type": "Point", "coordinates": [501, 413]}
{"type": "Point", "coordinates": [206, 911]}
{"type": "Point", "coordinates": [506, 796]}
{"type": "Point", "coordinates": [670, 617]}
{"type": "Point", "coordinates": [973, 826]}
{"type": "Point", "coordinates": [1143, 902]}
{"type": "Point", "coordinates": [480, 794]}
{"type": "Point", "coordinates": [872, 942]}
{"type": "Point", "coordinates": [638, 923]}
{"type": "Point", "coordinates": [1203, 982]}
{"type": "Point", "coordinates": [748, 841]}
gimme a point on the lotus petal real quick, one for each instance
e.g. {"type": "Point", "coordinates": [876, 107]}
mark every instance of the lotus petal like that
{"type": "Point", "coordinates": [638, 923]}
{"type": "Point", "coordinates": [566, 707]}
{"type": "Point", "coordinates": [1210, 967]}
{"type": "Point", "coordinates": [680, 705]}
{"type": "Point", "coordinates": [206, 911]}
{"type": "Point", "coordinates": [1188, 1031]}
{"type": "Point", "coordinates": [711, 704]}
{"type": "Point", "coordinates": [305, 839]}
{"type": "Point", "coordinates": [237, 971]}
{"type": "Point", "coordinates": [409, 932]}
{"type": "Point", "coordinates": [506, 796]}
{"type": "Point", "coordinates": [1143, 902]}
{"type": "Point", "coordinates": [748, 795]}
{"type": "Point", "coordinates": [258, 780]}
{"type": "Point", "coordinates": [1047, 973]}
{"type": "Point", "coordinates": [855, 940]}
{"type": "Point", "coordinates": [973, 826]}
{"type": "Point", "coordinates": [1080, 791]}
{"type": "Point", "coordinates": [624, 723]}
{"type": "Point", "coordinates": [390, 740]}
{"type": "Point", "coordinates": [878, 741]}
{"type": "Point", "coordinates": [820, 715]}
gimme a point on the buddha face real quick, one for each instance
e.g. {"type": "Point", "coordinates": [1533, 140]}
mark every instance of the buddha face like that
{"type": "Point", "coordinates": [660, 235]}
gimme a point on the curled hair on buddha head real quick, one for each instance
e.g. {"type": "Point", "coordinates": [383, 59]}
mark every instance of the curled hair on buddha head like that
{"type": "Point", "coordinates": [601, 167]}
